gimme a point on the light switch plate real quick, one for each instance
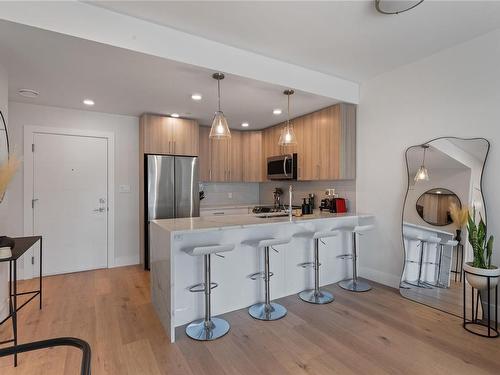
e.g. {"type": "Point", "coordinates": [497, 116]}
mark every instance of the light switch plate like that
{"type": "Point", "coordinates": [124, 189]}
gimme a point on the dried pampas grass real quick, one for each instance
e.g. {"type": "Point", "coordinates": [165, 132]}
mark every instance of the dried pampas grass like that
{"type": "Point", "coordinates": [7, 172]}
{"type": "Point", "coordinates": [459, 215]}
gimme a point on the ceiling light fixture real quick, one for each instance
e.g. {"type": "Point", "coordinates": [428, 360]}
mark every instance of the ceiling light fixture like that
{"type": "Point", "coordinates": [88, 102]}
{"type": "Point", "coordinates": [277, 111]}
{"type": "Point", "coordinates": [396, 6]}
{"type": "Point", "coordinates": [219, 129]}
{"type": "Point", "coordinates": [176, 115]}
{"type": "Point", "coordinates": [245, 124]}
{"type": "Point", "coordinates": [287, 137]}
{"type": "Point", "coordinates": [422, 173]}
{"type": "Point", "coordinates": [28, 93]}
{"type": "Point", "coordinates": [196, 97]}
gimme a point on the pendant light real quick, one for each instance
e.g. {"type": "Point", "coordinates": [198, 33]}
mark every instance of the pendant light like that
{"type": "Point", "coordinates": [422, 173]}
{"type": "Point", "coordinates": [219, 129]}
{"type": "Point", "coordinates": [287, 136]}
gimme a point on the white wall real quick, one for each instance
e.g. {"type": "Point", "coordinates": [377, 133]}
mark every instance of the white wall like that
{"type": "Point", "coordinates": [126, 131]}
{"type": "Point", "coordinates": [455, 92]}
{"type": "Point", "coordinates": [4, 291]}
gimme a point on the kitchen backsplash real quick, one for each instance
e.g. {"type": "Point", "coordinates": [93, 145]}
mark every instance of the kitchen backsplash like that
{"type": "Point", "coordinates": [236, 194]}
{"type": "Point", "coordinates": [344, 188]}
{"type": "Point", "coordinates": [230, 194]}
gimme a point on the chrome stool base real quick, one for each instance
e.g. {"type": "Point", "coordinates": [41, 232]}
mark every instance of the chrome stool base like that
{"type": "Point", "coordinates": [199, 330]}
{"type": "Point", "coordinates": [273, 311]}
{"type": "Point", "coordinates": [317, 297]}
{"type": "Point", "coordinates": [355, 285]}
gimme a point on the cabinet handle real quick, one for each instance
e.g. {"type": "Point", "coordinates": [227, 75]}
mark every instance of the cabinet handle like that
{"type": "Point", "coordinates": [210, 174]}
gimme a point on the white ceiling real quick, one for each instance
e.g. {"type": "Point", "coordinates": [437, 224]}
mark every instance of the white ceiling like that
{"type": "Point", "coordinates": [65, 70]}
{"type": "Point", "coordinates": [348, 39]}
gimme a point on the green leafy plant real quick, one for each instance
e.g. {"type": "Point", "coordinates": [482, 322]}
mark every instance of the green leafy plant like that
{"type": "Point", "coordinates": [482, 247]}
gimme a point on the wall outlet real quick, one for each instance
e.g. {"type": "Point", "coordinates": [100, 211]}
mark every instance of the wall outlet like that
{"type": "Point", "coordinates": [230, 195]}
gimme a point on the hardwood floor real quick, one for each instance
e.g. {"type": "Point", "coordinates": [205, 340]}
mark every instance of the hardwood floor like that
{"type": "Point", "coordinates": [377, 332]}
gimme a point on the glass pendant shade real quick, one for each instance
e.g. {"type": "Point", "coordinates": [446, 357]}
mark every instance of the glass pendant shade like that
{"type": "Point", "coordinates": [422, 174]}
{"type": "Point", "coordinates": [220, 129]}
{"type": "Point", "coordinates": [287, 136]}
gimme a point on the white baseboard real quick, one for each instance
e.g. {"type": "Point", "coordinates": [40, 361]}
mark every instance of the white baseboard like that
{"type": "Point", "coordinates": [128, 260]}
{"type": "Point", "coordinates": [380, 277]}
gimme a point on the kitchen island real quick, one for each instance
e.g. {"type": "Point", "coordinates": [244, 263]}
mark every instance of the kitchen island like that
{"type": "Point", "coordinates": [173, 271]}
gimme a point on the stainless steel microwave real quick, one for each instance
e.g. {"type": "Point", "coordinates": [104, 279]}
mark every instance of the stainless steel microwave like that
{"type": "Point", "coordinates": [282, 167]}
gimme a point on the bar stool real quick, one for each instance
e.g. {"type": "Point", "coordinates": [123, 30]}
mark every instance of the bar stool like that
{"type": "Point", "coordinates": [316, 295]}
{"type": "Point", "coordinates": [208, 328]}
{"type": "Point", "coordinates": [423, 241]}
{"type": "Point", "coordinates": [266, 310]}
{"type": "Point", "coordinates": [353, 284]}
{"type": "Point", "coordinates": [442, 244]}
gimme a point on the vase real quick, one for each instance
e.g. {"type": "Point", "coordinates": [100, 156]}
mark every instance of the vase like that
{"type": "Point", "coordinates": [458, 237]}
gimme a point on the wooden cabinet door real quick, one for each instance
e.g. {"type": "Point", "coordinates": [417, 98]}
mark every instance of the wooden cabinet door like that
{"type": "Point", "coordinates": [347, 141]}
{"type": "Point", "coordinates": [205, 153]}
{"type": "Point", "coordinates": [157, 134]}
{"type": "Point", "coordinates": [185, 139]}
{"type": "Point", "coordinates": [235, 166]}
{"type": "Point", "coordinates": [252, 156]}
{"type": "Point", "coordinates": [308, 151]}
{"type": "Point", "coordinates": [219, 166]}
{"type": "Point", "coordinates": [328, 127]}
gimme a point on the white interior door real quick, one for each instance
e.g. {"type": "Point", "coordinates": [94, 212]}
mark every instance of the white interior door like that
{"type": "Point", "coordinates": [70, 207]}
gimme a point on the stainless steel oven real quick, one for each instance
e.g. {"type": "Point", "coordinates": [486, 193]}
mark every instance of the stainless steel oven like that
{"type": "Point", "coordinates": [282, 167]}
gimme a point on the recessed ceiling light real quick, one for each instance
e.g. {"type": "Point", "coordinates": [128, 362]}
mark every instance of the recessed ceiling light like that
{"type": "Point", "coordinates": [245, 124]}
{"type": "Point", "coordinates": [28, 93]}
{"type": "Point", "coordinates": [277, 111]}
{"type": "Point", "coordinates": [196, 96]}
{"type": "Point", "coordinates": [88, 102]}
{"type": "Point", "coordinates": [174, 115]}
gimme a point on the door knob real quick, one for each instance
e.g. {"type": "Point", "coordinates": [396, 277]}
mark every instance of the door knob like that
{"type": "Point", "coordinates": [101, 209]}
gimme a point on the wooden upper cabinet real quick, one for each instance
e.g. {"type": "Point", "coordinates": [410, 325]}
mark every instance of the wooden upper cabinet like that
{"type": "Point", "coordinates": [204, 162]}
{"type": "Point", "coordinates": [167, 135]}
{"type": "Point", "coordinates": [253, 165]}
{"type": "Point", "coordinates": [235, 167]}
{"type": "Point", "coordinates": [219, 160]}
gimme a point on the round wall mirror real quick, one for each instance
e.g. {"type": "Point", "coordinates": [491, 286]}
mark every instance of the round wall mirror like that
{"type": "Point", "coordinates": [4, 144]}
{"type": "Point", "coordinates": [433, 206]}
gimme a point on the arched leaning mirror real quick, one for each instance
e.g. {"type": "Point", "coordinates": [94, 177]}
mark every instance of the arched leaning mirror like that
{"type": "Point", "coordinates": [444, 176]}
{"type": "Point", "coordinates": [4, 148]}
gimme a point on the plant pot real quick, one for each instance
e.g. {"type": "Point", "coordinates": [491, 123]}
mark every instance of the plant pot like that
{"type": "Point", "coordinates": [479, 280]}
{"type": "Point", "coordinates": [458, 237]}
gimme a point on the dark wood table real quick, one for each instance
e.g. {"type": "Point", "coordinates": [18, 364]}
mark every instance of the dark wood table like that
{"type": "Point", "coordinates": [22, 244]}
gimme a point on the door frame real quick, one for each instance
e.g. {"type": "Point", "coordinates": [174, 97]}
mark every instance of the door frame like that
{"type": "Point", "coordinates": [28, 158]}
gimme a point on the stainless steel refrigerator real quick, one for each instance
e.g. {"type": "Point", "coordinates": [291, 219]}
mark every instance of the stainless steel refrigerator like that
{"type": "Point", "coordinates": [171, 190]}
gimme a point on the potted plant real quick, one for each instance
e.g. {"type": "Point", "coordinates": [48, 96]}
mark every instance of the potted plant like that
{"type": "Point", "coordinates": [482, 248]}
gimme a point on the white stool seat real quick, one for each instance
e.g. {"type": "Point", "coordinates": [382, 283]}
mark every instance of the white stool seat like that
{"type": "Point", "coordinates": [267, 242]}
{"type": "Point", "coordinates": [208, 249]}
{"type": "Point", "coordinates": [414, 237]}
{"type": "Point", "coordinates": [317, 235]}
{"type": "Point", "coordinates": [359, 229]}
{"type": "Point", "coordinates": [452, 243]}
{"type": "Point", "coordinates": [432, 239]}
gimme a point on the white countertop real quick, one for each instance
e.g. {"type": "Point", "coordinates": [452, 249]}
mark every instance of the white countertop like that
{"type": "Point", "coordinates": [222, 207]}
{"type": "Point", "coordinates": [428, 229]}
{"type": "Point", "coordinates": [241, 221]}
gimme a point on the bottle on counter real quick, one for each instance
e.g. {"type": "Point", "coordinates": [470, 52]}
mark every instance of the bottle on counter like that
{"type": "Point", "coordinates": [305, 207]}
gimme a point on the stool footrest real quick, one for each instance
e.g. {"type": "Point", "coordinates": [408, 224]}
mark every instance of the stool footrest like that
{"type": "Point", "coordinates": [345, 256]}
{"type": "Point", "coordinates": [197, 288]}
{"type": "Point", "coordinates": [257, 275]}
{"type": "Point", "coordinates": [307, 265]}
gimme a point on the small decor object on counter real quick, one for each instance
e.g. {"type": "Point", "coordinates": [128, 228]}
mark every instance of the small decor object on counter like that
{"type": "Point", "coordinates": [483, 277]}
{"type": "Point", "coordinates": [459, 217]}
